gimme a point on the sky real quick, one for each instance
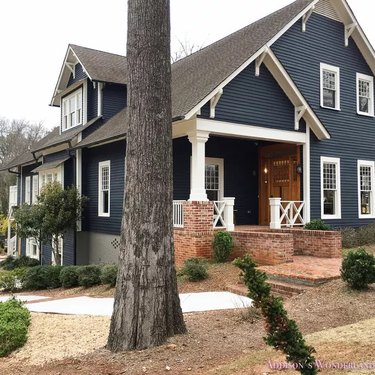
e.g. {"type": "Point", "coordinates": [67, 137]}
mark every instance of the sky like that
{"type": "Point", "coordinates": [35, 36]}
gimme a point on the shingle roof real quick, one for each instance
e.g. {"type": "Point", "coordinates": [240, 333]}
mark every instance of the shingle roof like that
{"type": "Point", "coordinates": [197, 75]}
{"type": "Point", "coordinates": [115, 127]}
{"type": "Point", "coordinates": [27, 157]}
{"type": "Point", "coordinates": [102, 66]}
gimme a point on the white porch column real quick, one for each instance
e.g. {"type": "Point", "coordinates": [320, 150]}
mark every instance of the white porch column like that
{"type": "Point", "coordinates": [228, 213]}
{"type": "Point", "coordinates": [306, 176]}
{"type": "Point", "coordinates": [198, 140]}
{"type": "Point", "coordinates": [275, 213]}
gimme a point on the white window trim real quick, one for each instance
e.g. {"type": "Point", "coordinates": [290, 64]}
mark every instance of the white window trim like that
{"type": "Point", "coordinates": [29, 242]}
{"type": "Point", "coordinates": [66, 99]}
{"type": "Point", "coordinates": [102, 164]}
{"type": "Point", "coordinates": [335, 70]}
{"type": "Point", "coordinates": [58, 171]}
{"type": "Point", "coordinates": [371, 164]}
{"type": "Point", "coordinates": [364, 77]}
{"type": "Point", "coordinates": [324, 159]}
{"type": "Point", "coordinates": [220, 163]}
{"type": "Point", "coordinates": [35, 189]}
{"type": "Point", "coordinates": [28, 189]}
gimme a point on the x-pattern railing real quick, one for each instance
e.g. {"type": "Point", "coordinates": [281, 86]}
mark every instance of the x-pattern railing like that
{"type": "Point", "coordinates": [292, 213]}
{"type": "Point", "coordinates": [219, 207]}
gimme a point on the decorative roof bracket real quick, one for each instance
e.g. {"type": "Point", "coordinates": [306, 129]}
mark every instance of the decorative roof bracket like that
{"type": "Point", "coordinates": [349, 31]}
{"type": "Point", "coordinates": [259, 61]}
{"type": "Point", "coordinates": [306, 17]}
{"type": "Point", "coordinates": [298, 114]}
{"type": "Point", "coordinates": [70, 66]}
{"type": "Point", "coordinates": [214, 101]}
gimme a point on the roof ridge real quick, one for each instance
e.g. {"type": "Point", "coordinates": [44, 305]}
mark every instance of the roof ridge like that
{"type": "Point", "coordinates": [72, 45]}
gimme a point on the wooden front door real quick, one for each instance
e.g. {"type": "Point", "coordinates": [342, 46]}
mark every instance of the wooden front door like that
{"type": "Point", "coordinates": [278, 176]}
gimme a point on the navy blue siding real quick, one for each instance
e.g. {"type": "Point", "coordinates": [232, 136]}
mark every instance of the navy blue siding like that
{"type": "Point", "coordinates": [115, 152]}
{"type": "Point", "coordinates": [240, 173]}
{"type": "Point", "coordinates": [69, 248]}
{"type": "Point", "coordinates": [253, 100]}
{"type": "Point", "coordinates": [92, 101]}
{"type": "Point", "coordinates": [46, 253]}
{"type": "Point", "coordinates": [79, 74]}
{"type": "Point", "coordinates": [69, 172]}
{"type": "Point", "coordinates": [352, 135]}
{"type": "Point", "coordinates": [114, 99]}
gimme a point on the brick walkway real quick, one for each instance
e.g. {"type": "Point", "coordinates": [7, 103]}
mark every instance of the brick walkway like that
{"type": "Point", "coordinates": [306, 269]}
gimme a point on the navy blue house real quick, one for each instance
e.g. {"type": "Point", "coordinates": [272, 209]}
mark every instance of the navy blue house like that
{"type": "Point", "coordinates": [277, 117]}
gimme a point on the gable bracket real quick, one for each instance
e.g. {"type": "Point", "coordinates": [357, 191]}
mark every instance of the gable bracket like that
{"type": "Point", "coordinates": [213, 103]}
{"type": "Point", "coordinates": [70, 66]}
{"type": "Point", "coordinates": [259, 61]}
{"type": "Point", "coordinates": [349, 31]}
{"type": "Point", "coordinates": [306, 17]}
{"type": "Point", "coordinates": [298, 114]}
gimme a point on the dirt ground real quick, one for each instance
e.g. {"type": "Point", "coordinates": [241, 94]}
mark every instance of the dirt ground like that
{"type": "Point", "coordinates": [221, 342]}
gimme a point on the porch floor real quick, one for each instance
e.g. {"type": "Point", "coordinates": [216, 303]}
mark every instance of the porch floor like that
{"type": "Point", "coordinates": [306, 270]}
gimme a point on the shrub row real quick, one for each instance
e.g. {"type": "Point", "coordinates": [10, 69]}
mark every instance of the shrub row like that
{"type": "Point", "coordinates": [361, 236]}
{"type": "Point", "coordinates": [10, 263]}
{"type": "Point", "coordinates": [14, 323]}
{"type": "Point", "coordinates": [50, 277]}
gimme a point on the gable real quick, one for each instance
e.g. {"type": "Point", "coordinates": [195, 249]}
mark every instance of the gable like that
{"type": "Point", "coordinates": [254, 100]}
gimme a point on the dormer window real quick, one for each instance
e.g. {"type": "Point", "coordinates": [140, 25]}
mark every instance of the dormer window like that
{"type": "Point", "coordinates": [72, 110]}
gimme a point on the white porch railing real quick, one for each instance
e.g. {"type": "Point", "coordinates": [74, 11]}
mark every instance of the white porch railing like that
{"type": "Point", "coordinates": [12, 196]}
{"type": "Point", "coordinates": [286, 213]}
{"type": "Point", "coordinates": [178, 214]}
{"type": "Point", "coordinates": [12, 248]}
{"type": "Point", "coordinates": [223, 214]}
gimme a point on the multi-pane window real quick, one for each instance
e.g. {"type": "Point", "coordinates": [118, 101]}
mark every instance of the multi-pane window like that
{"type": "Point", "coordinates": [28, 189]}
{"type": "Point", "coordinates": [104, 188]}
{"type": "Point", "coordinates": [365, 95]}
{"type": "Point", "coordinates": [365, 188]}
{"type": "Point", "coordinates": [212, 182]}
{"type": "Point", "coordinates": [330, 179]}
{"type": "Point", "coordinates": [72, 110]}
{"type": "Point", "coordinates": [48, 176]}
{"type": "Point", "coordinates": [35, 189]}
{"type": "Point", "coordinates": [32, 248]}
{"type": "Point", "coordinates": [330, 86]}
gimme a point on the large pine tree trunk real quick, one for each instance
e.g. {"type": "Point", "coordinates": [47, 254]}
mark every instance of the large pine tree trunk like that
{"type": "Point", "coordinates": [147, 307]}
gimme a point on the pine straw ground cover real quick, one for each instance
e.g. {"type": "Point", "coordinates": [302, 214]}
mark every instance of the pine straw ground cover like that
{"type": "Point", "coordinates": [221, 342]}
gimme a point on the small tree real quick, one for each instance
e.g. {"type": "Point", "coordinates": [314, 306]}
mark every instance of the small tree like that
{"type": "Point", "coordinates": [57, 211]}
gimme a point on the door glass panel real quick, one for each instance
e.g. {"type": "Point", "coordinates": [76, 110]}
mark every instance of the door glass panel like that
{"type": "Point", "coordinates": [212, 182]}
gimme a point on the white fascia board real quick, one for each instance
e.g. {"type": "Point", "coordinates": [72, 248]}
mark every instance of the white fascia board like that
{"type": "Point", "coordinates": [63, 68]}
{"type": "Point", "coordinates": [290, 89]}
{"type": "Point", "coordinates": [347, 16]}
{"type": "Point", "coordinates": [193, 111]}
{"type": "Point", "coordinates": [249, 131]}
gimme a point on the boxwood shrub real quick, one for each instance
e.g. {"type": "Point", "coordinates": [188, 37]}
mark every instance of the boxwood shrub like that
{"type": "Point", "coordinates": [194, 270]}
{"type": "Point", "coordinates": [108, 274]}
{"type": "Point", "coordinates": [88, 276]}
{"type": "Point", "coordinates": [42, 277]}
{"type": "Point", "coordinates": [69, 276]}
{"type": "Point", "coordinates": [14, 323]}
{"type": "Point", "coordinates": [222, 246]}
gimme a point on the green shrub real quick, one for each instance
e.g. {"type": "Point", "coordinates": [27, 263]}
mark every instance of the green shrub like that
{"type": "Point", "coordinates": [12, 280]}
{"type": "Point", "coordinates": [366, 235]}
{"type": "Point", "coordinates": [358, 269]}
{"type": "Point", "coordinates": [88, 276]}
{"type": "Point", "coordinates": [317, 224]}
{"type": "Point", "coordinates": [282, 333]}
{"type": "Point", "coordinates": [69, 276]}
{"type": "Point", "coordinates": [14, 323]}
{"type": "Point", "coordinates": [222, 246]}
{"type": "Point", "coordinates": [108, 274]}
{"type": "Point", "coordinates": [195, 270]}
{"type": "Point", "coordinates": [42, 277]}
{"type": "Point", "coordinates": [10, 263]}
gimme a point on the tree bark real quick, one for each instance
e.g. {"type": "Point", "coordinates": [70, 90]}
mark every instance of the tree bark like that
{"type": "Point", "coordinates": [147, 306]}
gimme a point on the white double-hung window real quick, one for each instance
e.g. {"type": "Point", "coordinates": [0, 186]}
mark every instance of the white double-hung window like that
{"type": "Point", "coordinates": [330, 188]}
{"type": "Point", "coordinates": [104, 185]}
{"type": "Point", "coordinates": [28, 189]}
{"type": "Point", "coordinates": [365, 95]}
{"type": "Point", "coordinates": [35, 190]}
{"type": "Point", "coordinates": [329, 86]}
{"type": "Point", "coordinates": [365, 189]}
{"type": "Point", "coordinates": [72, 110]}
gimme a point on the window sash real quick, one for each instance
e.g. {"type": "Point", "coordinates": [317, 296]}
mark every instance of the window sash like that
{"type": "Point", "coordinates": [35, 189]}
{"type": "Point", "coordinates": [330, 188]}
{"type": "Point", "coordinates": [365, 94]}
{"type": "Point", "coordinates": [329, 86]}
{"type": "Point", "coordinates": [72, 110]}
{"type": "Point", "coordinates": [365, 188]}
{"type": "Point", "coordinates": [28, 190]}
{"type": "Point", "coordinates": [104, 188]}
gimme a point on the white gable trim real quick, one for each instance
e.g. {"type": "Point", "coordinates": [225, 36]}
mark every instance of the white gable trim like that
{"type": "Point", "coordinates": [193, 111]}
{"type": "Point", "coordinates": [70, 60]}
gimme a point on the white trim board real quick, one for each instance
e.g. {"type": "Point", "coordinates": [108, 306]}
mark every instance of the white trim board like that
{"type": "Point", "coordinates": [249, 131]}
